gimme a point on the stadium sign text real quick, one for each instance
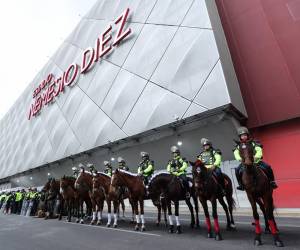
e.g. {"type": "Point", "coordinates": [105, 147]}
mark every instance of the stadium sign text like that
{"type": "Point", "coordinates": [51, 87]}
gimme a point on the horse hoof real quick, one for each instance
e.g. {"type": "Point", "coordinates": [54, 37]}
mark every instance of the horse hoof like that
{"type": "Point", "coordinates": [231, 227]}
{"type": "Point", "coordinates": [99, 222]}
{"type": "Point", "coordinates": [279, 243]}
{"type": "Point", "coordinates": [218, 237]}
{"type": "Point", "coordinates": [115, 225]}
{"type": "Point", "coordinates": [136, 228]}
{"type": "Point", "coordinates": [257, 243]}
{"type": "Point", "coordinates": [92, 222]}
{"type": "Point", "coordinates": [178, 230]}
{"type": "Point", "coordinates": [192, 225]}
{"type": "Point", "coordinates": [143, 229]}
{"type": "Point", "coordinates": [81, 222]}
{"type": "Point", "coordinates": [171, 229]}
{"type": "Point", "coordinates": [107, 225]}
{"type": "Point", "coordinates": [157, 224]}
{"type": "Point", "coordinates": [209, 235]}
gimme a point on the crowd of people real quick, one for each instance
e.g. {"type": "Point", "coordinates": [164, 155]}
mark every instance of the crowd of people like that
{"type": "Point", "coordinates": [21, 202]}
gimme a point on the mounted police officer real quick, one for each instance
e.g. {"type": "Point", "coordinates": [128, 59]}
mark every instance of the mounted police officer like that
{"type": "Point", "coordinates": [122, 164]}
{"type": "Point", "coordinates": [146, 167]}
{"type": "Point", "coordinates": [75, 172]}
{"type": "Point", "coordinates": [108, 168]}
{"type": "Point", "coordinates": [91, 168]}
{"type": "Point", "coordinates": [212, 158]}
{"type": "Point", "coordinates": [177, 166]}
{"type": "Point", "coordinates": [244, 136]}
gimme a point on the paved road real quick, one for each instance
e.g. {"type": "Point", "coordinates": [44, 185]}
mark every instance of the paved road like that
{"type": "Point", "coordinates": [23, 233]}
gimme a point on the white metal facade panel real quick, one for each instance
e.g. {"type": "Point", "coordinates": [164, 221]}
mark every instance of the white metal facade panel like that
{"type": "Point", "coordinates": [168, 69]}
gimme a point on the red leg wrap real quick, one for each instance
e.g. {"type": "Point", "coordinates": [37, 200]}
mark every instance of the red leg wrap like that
{"type": "Point", "coordinates": [208, 224]}
{"type": "Point", "coordinates": [217, 227]}
{"type": "Point", "coordinates": [257, 227]}
{"type": "Point", "coordinates": [272, 226]}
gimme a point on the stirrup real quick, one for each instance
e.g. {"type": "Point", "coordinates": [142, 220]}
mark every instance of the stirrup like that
{"type": "Point", "coordinates": [240, 187]}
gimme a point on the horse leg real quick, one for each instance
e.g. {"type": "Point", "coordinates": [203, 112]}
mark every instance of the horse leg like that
{"type": "Point", "coordinates": [257, 239]}
{"type": "Point", "coordinates": [207, 218]}
{"type": "Point", "coordinates": [178, 226]}
{"type": "Point", "coordinates": [158, 214]}
{"type": "Point", "coordinates": [216, 220]}
{"type": "Point", "coordinates": [188, 202]}
{"type": "Point", "coordinates": [268, 201]}
{"type": "Point", "coordinates": [137, 216]}
{"type": "Point", "coordinates": [99, 215]}
{"type": "Point", "coordinates": [230, 202]}
{"type": "Point", "coordinates": [223, 204]}
{"type": "Point", "coordinates": [61, 209]}
{"type": "Point", "coordinates": [171, 227]}
{"type": "Point", "coordinates": [81, 213]}
{"type": "Point", "coordinates": [132, 211]}
{"type": "Point", "coordinates": [108, 213]}
{"type": "Point", "coordinates": [164, 208]}
{"type": "Point", "coordinates": [143, 228]}
{"type": "Point", "coordinates": [196, 210]}
{"type": "Point", "coordinates": [94, 211]}
{"type": "Point", "coordinates": [123, 208]}
{"type": "Point", "coordinates": [262, 208]}
{"type": "Point", "coordinates": [116, 205]}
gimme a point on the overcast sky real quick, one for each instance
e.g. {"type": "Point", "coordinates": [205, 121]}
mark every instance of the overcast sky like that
{"type": "Point", "coordinates": [31, 31]}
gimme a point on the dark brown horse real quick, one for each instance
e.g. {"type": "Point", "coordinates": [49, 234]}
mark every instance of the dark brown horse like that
{"type": "Point", "coordinates": [53, 197]}
{"type": "Point", "coordinates": [70, 196]}
{"type": "Point", "coordinates": [258, 190]}
{"type": "Point", "coordinates": [135, 185]}
{"type": "Point", "coordinates": [84, 185]}
{"type": "Point", "coordinates": [101, 183]}
{"type": "Point", "coordinates": [167, 188]}
{"type": "Point", "coordinates": [207, 188]}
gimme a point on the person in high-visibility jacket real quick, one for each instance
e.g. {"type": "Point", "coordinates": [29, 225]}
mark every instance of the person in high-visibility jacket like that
{"type": "Point", "coordinates": [244, 136]}
{"type": "Point", "coordinates": [212, 159]}
{"type": "Point", "coordinates": [108, 168]}
{"type": "Point", "coordinates": [146, 167]}
{"type": "Point", "coordinates": [177, 166]}
{"type": "Point", "coordinates": [18, 201]}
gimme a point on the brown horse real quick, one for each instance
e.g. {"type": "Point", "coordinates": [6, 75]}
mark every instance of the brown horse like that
{"type": "Point", "coordinates": [84, 185]}
{"type": "Point", "coordinates": [258, 190]}
{"type": "Point", "coordinates": [135, 185]}
{"type": "Point", "coordinates": [101, 183]}
{"type": "Point", "coordinates": [53, 197]}
{"type": "Point", "coordinates": [166, 187]}
{"type": "Point", "coordinates": [207, 188]}
{"type": "Point", "coordinates": [69, 195]}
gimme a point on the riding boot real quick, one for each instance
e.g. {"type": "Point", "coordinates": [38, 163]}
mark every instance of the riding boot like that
{"type": "Point", "coordinates": [272, 179]}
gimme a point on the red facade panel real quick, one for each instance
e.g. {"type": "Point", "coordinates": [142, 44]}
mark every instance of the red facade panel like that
{"type": "Point", "coordinates": [281, 149]}
{"type": "Point", "coordinates": [263, 37]}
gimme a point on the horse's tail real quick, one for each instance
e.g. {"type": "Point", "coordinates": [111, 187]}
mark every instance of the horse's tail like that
{"type": "Point", "coordinates": [229, 192]}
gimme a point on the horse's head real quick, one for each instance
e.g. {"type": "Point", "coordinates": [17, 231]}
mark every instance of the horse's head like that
{"type": "Point", "coordinates": [199, 172]}
{"type": "Point", "coordinates": [246, 151]}
{"type": "Point", "coordinates": [116, 179]}
{"type": "Point", "coordinates": [83, 181]}
{"type": "Point", "coordinates": [46, 186]}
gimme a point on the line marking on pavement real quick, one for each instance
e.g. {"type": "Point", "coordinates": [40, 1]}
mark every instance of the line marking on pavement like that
{"type": "Point", "coordinates": [114, 229]}
{"type": "Point", "coordinates": [236, 222]}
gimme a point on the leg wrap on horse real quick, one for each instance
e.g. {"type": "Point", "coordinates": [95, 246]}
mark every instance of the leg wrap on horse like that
{"type": "Point", "coordinates": [257, 227]}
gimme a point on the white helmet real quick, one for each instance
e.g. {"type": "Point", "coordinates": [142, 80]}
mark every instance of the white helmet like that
{"type": "Point", "coordinates": [175, 149]}
{"type": "Point", "coordinates": [106, 163]}
{"type": "Point", "coordinates": [121, 160]}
